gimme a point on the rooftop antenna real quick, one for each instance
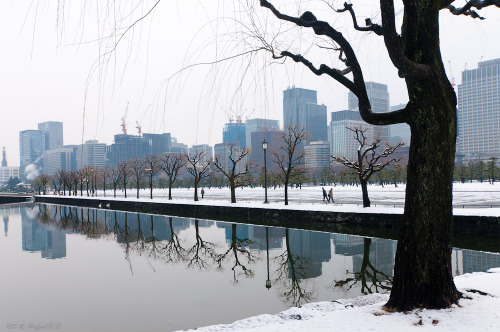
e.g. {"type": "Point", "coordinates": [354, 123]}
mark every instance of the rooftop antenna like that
{"type": "Point", "coordinates": [124, 125]}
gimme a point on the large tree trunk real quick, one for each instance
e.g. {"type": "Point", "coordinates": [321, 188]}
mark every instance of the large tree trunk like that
{"type": "Point", "coordinates": [364, 189]}
{"type": "Point", "coordinates": [286, 191]}
{"type": "Point", "coordinates": [422, 272]}
{"type": "Point", "coordinates": [138, 188]}
{"type": "Point", "coordinates": [170, 190]}
{"type": "Point", "coordinates": [196, 190]}
{"type": "Point", "coordinates": [233, 191]}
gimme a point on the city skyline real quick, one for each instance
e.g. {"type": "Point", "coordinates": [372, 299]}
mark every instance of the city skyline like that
{"type": "Point", "coordinates": [47, 76]}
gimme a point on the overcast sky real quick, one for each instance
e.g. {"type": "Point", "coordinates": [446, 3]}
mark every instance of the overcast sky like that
{"type": "Point", "coordinates": [60, 65]}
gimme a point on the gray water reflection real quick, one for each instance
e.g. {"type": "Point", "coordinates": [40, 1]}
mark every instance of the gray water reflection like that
{"type": "Point", "coordinates": [221, 271]}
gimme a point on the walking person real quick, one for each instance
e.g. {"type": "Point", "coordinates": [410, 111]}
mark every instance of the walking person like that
{"type": "Point", "coordinates": [325, 196]}
{"type": "Point", "coordinates": [202, 193]}
{"type": "Point", "coordinates": [330, 195]}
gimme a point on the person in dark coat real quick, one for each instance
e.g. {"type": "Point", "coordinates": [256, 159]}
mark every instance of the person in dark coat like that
{"type": "Point", "coordinates": [324, 194]}
{"type": "Point", "coordinates": [202, 193]}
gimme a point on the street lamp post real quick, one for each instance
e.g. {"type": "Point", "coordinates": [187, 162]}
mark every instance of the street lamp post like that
{"type": "Point", "coordinates": [268, 281]}
{"type": "Point", "coordinates": [264, 147]}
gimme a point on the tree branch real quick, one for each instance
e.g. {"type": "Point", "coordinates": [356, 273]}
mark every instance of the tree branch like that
{"type": "Point", "coordinates": [467, 9]}
{"type": "Point", "coordinates": [377, 29]}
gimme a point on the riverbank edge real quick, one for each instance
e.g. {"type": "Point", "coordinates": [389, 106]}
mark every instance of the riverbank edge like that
{"type": "Point", "coordinates": [368, 224]}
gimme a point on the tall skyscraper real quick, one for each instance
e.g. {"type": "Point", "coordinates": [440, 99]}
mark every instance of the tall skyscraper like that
{"type": "Point", "coordinates": [127, 147]}
{"type": "Point", "coordinates": [380, 102]}
{"type": "Point", "coordinates": [53, 134]}
{"type": "Point", "coordinates": [478, 112]}
{"type": "Point", "coordinates": [293, 99]}
{"type": "Point", "coordinates": [300, 109]}
{"type": "Point", "coordinates": [92, 153]}
{"type": "Point", "coordinates": [31, 147]}
{"type": "Point", "coordinates": [235, 133]}
{"type": "Point", "coordinates": [160, 143]}
{"type": "Point", "coordinates": [343, 143]}
{"type": "Point", "coordinates": [253, 125]}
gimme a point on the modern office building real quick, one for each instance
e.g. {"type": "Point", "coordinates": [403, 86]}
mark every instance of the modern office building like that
{"type": "Point", "coordinates": [293, 99]}
{"type": "Point", "coordinates": [301, 110]}
{"type": "Point", "coordinates": [127, 147]}
{"type": "Point", "coordinates": [317, 155]}
{"type": "Point", "coordinates": [274, 142]}
{"type": "Point", "coordinates": [400, 132]}
{"type": "Point", "coordinates": [31, 147]}
{"type": "Point", "coordinates": [253, 125]}
{"type": "Point", "coordinates": [224, 152]}
{"type": "Point", "coordinates": [313, 119]}
{"type": "Point", "coordinates": [91, 153]}
{"type": "Point", "coordinates": [478, 112]}
{"type": "Point", "coordinates": [343, 143]}
{"type": "Point", "coordinates": [207, 151]}
{"type": "Point", "coordinates": [58, 159]}
{"type": "Point", "coordinates": [380, 103]}
{"type": "Point", "coordinates": [53, 134]}
{"type": "Point", "coordinates": [235, 133]}
{"type": "Point", "coordinates": [7, 172]}
{"type": "Point", "coordinates": [160, 143]}
{"type": "Point", "coordinates": [177, 147]}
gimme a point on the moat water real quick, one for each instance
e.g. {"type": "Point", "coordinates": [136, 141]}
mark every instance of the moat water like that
{"type": "Point", "coordinates": [80, 269]}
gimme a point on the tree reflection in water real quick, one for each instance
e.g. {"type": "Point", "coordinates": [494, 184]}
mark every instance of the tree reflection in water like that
{"type": "Point", "coordinates": [136, 236]}
{"type": "Point", "coordinates": [371, 279]}
{"type": "Point", "coordinates": [238, 247]}
{"type": "Point", "coordinates": [292, 269]}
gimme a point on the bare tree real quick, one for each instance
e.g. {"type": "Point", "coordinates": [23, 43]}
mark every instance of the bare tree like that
{"type": "Point", "coordinates": [236, 175]}
{"type": "Point", "coordinates": [431, 114]}
{"type": "Point", "coordinates": [289, 159]}
{"type": "Point", "coordinates": [137, 169]}
{"type": "Point", "coordinates": [171, 164]}
{"type": "Point", "coordinates": [115, 178]}
{"type": "Point", "coordinates": [199, 168]}
{"type": "Point", "coordinates": [152, 166]}
{"type": "Point", "coordinates": [62, 179]}
{"type": "Point", "coordinates": [104, 175]}
{"type": "Point", "coordinates": [81, 179]}
{"type": "Point", "coordinates": [369, 159]}
{"type": "Point", "coordinates": [125, 173]}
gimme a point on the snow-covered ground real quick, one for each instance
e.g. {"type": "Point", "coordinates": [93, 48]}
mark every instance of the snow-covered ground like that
{"type": "Point", "coordinates": [480, 199]}
{"type": "Point", "coordinates": [476, 312]}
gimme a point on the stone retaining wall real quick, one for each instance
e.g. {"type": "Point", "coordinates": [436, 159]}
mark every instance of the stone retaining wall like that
{"type": "Point", "coordinates": [368, 224]}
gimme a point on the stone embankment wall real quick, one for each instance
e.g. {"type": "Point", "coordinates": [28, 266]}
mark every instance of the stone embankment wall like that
{"type": "Point", "coordinates": [368, 224]}
{"type": "Point", "coordinates": [9, 199]}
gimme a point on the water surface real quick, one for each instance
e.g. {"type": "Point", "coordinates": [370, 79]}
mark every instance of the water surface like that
{"type": "Point", "coordinates": [82, 269]}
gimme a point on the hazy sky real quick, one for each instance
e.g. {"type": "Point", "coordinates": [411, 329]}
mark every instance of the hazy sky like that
{"type": "Point", "coordinates": [61, 65]}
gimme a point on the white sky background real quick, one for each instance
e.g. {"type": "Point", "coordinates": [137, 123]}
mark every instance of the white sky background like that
{"type": "Point", "coordinates": [46, 61]}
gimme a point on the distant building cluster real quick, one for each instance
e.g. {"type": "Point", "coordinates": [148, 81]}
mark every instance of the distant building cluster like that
{"type": "Point", "coordinates": [43, 150]}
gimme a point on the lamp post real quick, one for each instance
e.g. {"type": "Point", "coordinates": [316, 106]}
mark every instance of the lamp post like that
{"type": "Point", "coordinates": [268, 281]}
{"type": "Point", "coordinates": [264, 147]}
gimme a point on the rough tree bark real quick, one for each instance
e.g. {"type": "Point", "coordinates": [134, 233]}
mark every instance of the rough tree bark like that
{"type": "Point", "coordinates": [422, 273]}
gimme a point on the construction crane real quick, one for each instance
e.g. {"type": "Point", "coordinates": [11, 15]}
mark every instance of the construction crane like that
{"type": "Point", "coordinates": [124, 124]}
{"type": "Point", "coordinates": [139, 128]}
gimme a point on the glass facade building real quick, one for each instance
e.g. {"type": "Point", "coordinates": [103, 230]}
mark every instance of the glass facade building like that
{"type": "Point", "coordinates": [478, 112]}
{"type": "Point", "coordinates": [31, 147]}
{"type": "Point", "coordinates": [235, 133]}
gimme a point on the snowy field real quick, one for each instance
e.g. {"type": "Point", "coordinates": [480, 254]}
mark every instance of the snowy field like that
{"type": "Point", "coordinates": [475, 313]}
{"type": "Point", "coordinates": [468, 198]}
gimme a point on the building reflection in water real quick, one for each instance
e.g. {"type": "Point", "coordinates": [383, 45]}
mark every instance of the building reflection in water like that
{"type": "Point", "coordinates": [44, 238]}
{"type": "Point", "coordinates": [295, 256]}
